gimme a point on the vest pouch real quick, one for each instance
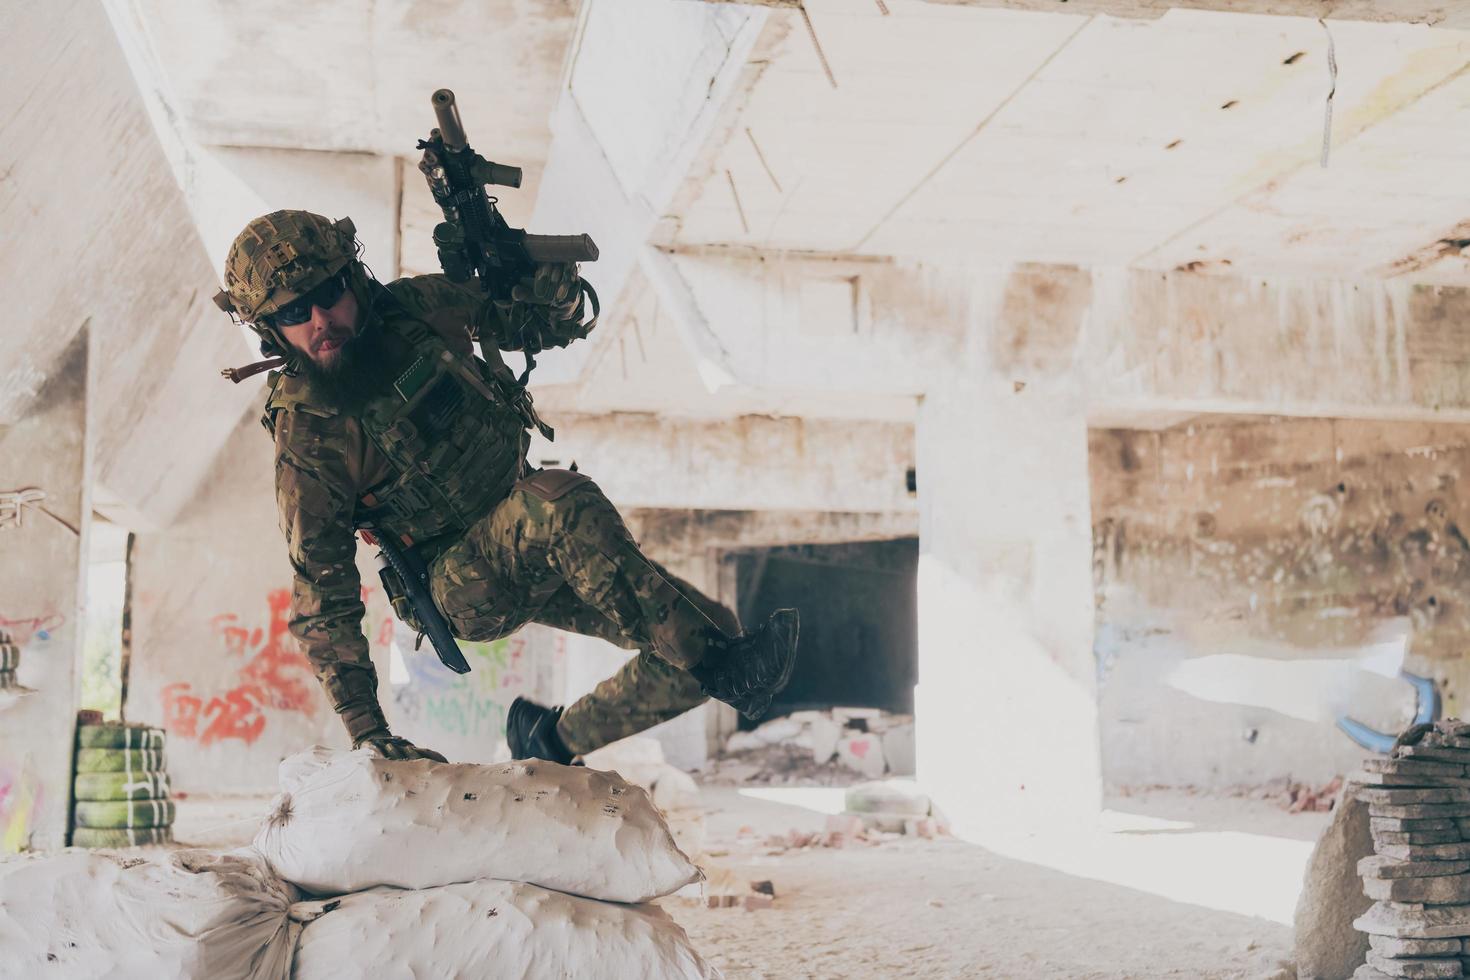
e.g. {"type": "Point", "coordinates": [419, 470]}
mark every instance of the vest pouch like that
{"type": "Point", "coordinates": [456, 447]}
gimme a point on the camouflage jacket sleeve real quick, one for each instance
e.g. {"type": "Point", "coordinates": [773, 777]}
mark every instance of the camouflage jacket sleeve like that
{"type": "Point", "coordinates": [316, 492]}
{"type": "Point", "coordinates": [452, 308]}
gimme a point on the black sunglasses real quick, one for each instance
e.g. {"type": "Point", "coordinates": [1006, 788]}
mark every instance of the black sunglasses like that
{"type": "Point", "coordinates": [325, 294]}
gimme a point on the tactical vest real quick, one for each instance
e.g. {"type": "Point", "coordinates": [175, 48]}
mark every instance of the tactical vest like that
{"type": "Point", "coordinates": [453, 431]}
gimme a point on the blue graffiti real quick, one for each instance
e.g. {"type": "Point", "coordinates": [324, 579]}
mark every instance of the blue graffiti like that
{"type": "Point", "coordinates": [1427, 709]}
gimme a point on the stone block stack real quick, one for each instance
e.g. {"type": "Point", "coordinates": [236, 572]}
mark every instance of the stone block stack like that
{"type": "Point", "coordinates": [1418, 802]}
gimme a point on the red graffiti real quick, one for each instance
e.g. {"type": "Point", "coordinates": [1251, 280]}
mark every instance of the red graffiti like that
{"type": "Point", "coordinates": [237, 638]}
{"type": "Point", "coordinates": [275, 676]}
{"type": "Point", "coordinates": [237, 715]}
{"type": "Point", "coordinates": [278, 667]}
{"type": "Point", "coordinates": [180, 710]}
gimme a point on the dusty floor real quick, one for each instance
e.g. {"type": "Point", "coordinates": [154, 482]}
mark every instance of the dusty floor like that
{"type": "Point", "coordinates": [914, 908]}
{"type": "Point", "coordinates": [1133, 901]}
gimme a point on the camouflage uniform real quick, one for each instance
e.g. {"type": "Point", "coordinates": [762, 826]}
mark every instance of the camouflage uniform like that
{"type": "Point", "coordinates": [438, 459]}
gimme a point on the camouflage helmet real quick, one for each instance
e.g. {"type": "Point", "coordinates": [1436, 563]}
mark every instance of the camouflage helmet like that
{"type": "Point", "coordinates": [279, 257]}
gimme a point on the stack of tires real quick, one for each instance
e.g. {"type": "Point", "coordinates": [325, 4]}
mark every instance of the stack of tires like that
{"type": "Point", "coordinates": [9, 662]}
{"type": "Point", "coordinates": [121, 788]}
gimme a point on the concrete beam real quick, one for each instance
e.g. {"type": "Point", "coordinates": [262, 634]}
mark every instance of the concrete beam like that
{"type": "Point", "coordinates": [1433, 12]}
{"type": "Point", "coordinates": [1436, 13]}
{"type": "Point", "coordinates": [753, 463]}
{"type": "Point", "coordinates": [1133, 342]}
{"type": "Point", "coordinates": [627, 132]}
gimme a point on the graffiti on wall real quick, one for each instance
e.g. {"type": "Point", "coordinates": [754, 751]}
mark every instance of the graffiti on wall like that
{"type": "Point", "coordinates": [20, 799]}
{"type": "Point", "coordinates": [466, 714]}
{"type": "Point", "coordinates": [24, 629]}
{"type": "Point", "coordinates": [472, 705]}
{"type": "Point", "coordinates": [272, 674]}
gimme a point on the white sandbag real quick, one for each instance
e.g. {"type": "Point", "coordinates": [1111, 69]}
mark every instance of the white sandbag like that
{"type": "Point", "coordinates": [491, 930]}
{"type": "Point", "coordinates": [346, 821]}
{"type": "Point", "coordinates": [182, 914]}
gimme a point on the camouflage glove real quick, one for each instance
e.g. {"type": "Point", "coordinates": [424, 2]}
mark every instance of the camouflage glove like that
{"type": "Point", "coordinates": [367, 726]}
{"type": "Point", "coordinates": [556, 286]}
{"type": "Point", "coordinates": [391, 746]}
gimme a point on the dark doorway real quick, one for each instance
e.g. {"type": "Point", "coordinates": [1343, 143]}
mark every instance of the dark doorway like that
{"type": "Point", "coordinates": [859, 620]}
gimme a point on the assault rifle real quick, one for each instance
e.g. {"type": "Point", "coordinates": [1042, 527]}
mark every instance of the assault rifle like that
{"type": "Point", "coordinates": [474, 238]}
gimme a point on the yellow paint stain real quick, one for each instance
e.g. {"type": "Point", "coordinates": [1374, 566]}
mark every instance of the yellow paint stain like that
{"type": "Point", "coordinates": [17, 832]}
{"type": "Point", "coordinates": [1423, 71]}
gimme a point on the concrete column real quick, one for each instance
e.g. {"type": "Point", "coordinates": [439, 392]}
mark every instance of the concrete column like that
{"type": "Point", "coordinates": [42, 580]}
{"type": "Point", "coordinates": [1006, 701]}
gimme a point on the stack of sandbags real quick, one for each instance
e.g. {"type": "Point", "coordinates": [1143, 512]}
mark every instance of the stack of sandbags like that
{"type": "Point", "coordinates": [9, 662]}
{"type": "Point", "coordinates": [468, 853]}
{"type": "Point", "coordinates": [176, 914]}
{"type": "Point", "coordinates": [491, 930]}
{"type": "Point", "coordinates": [121, 787]}
{"type": "Point", "coordinates": [1419, 875]}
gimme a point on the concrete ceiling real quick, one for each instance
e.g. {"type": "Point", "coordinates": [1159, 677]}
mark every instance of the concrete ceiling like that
{"type": "Point", "coordinates": [356, 75]}
{"type": "Point", "coordinates": [1191, 140]}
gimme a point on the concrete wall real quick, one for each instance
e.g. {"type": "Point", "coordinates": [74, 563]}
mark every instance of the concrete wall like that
{"type": "Point", "coordinates": [97, 231]}
{"type": "Point", "coordinates": [212, 660]}
{"type": "Point", "coordinates": [1258, 578]}
{"type": "Point", "coordinates": [41, 601]}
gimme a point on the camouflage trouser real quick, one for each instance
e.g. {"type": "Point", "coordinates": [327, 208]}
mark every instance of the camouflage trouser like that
{"type": "Point", "coordinates": [564, 558]}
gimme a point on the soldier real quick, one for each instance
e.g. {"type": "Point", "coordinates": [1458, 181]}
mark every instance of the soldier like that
{"type": "Point", "coordinates": [383, 417]}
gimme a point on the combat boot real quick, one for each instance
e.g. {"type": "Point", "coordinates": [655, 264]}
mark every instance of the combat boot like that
{"type": "Point", "coordinates": [754, 668]}
{"type": "Point", "coordinates": [530, 729]}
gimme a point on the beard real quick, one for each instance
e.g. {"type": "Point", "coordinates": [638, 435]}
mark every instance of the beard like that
{"type": "Point", "coordinates": [362, 370]}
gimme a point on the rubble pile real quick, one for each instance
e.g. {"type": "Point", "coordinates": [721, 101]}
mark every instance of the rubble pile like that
{"type": "Point", "coordinates": [823, 746]}
{"type": "Point", "coordinates": [1419, 874]}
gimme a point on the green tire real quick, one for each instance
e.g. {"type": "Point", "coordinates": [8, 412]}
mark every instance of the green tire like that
{"type": "Point", "coordinates": [119, 760]}
{"type": "Point", "coordinates": [9, 656]}
{"type": "Point", "coordinates": [115, 736]}
{"type": "Point", "coordinates": [128, 814]}
{"type": "Point", "coordinates": [7, 679]}
{"type": "Point", "coordinates": [92, 837]}
{"type": "Point", "coordinates": [121, 786]}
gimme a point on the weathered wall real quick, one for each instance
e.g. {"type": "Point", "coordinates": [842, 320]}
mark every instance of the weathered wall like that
{"type": "Point", "coordinates": [97, 231]}
{"type": "Point", "coordinates": [212, 659]}
{"type": "Point", "coordinates": [1255, 577]}
{"type": "Point", "coordinates": [41, 580]}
